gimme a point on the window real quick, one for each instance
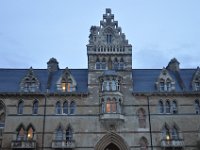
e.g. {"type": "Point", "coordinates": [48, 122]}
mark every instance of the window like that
{"type": "Point", "coordinates": [142, 118]}
{"type": "Point", "coordinates": [59, 134]}
{"type": "Point", "coordinates": [162, 85]}
{"type": "Point", "coordinates": [20, 107]}
{"type": "Point", "coordinates": [167, 106]}
{"type": "Point", "coordinates": [110, 85]}
{"type": "Point", "coordinates": [30, 133]}
{"type": "Point", "coordinates": [63, 85]}
{"type": "Point", "coordinates": [174, 107]}
{"type": "Point", "coordinates": [72, 107]}
{"type": "Point", "coordinates": [111, 106]}
{"type": "Point", "coordinates": [103, 64]}
{"type": "Point", "coordinates": [69, 135]}
{"type": "Point", "coordinates": [161, 107]}
{"type": "Point", "coordinates": [175, 133]}
{"type": "Point", "coordinates": [143, 143]}
{"type": "Point", "coordinates": [58, 108]}
{"type": "Point", "coordinates": [21, 134]}
{"type": "Point", "coordinates": [98, 64]}
{"type": "Point", "coordinates": [166, 133]}
{"type": "Point", "coordinates": [197, 86]}
{"type": "Point", "coordinates": [197, 106]}
{"type": "Point", "coordinates": [115, 64]}
{"type": "Point", "coordinates": [35, 107]}
{"type": "Point", "coordinates": [168, 84]}
{"type": "Point", "coordinates": [65, 107]}
{"type": "Point", "coordinates": [121, 64]}
{"type": "Point", "coordinates": [109, 38]}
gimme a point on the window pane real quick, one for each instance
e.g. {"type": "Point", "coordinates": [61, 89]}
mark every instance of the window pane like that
{"type": "Point", "coordinates": [72, 108]}
{"type": "Point", "coordinates": [65, 108]}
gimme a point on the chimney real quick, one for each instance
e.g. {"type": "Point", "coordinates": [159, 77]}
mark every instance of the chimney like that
{"type": "Point", "coordinates": [173, 65]}
{"type": "Point", "coordinates": [52, 65]}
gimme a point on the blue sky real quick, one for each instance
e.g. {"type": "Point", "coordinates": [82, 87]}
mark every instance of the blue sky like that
{"type": "Point", "coordinates": [33, 31]}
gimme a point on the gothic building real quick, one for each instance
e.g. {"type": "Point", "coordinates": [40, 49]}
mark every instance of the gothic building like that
{"type": "Point", "coordinates": [108, 106]}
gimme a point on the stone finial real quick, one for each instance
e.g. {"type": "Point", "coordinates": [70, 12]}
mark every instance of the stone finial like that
{"type": "Point", "coordinates": [173, 65]}
{"type": "Point", "coordinates": [52, 65]}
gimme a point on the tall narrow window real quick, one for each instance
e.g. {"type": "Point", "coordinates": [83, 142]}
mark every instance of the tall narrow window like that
{"type": "Point", "coordinates": [121, 64]}
{"type": "Point", "coordinates": [20, 107]}
{"type": "Point", "coordinates": [69, 85]}
{"type": "Point", "coordinates": [21, 134]}
{"type": "Point", "coordinates": [143, 143]}
{"type": "Point", "coordinates": [174, 107]}
{"type": "Point", "coordinates": [65, 107]}
{"type": "Point", "coordinates": [30, 133]}
{"type": "Point", "coordinates": [197, 106]}
{"type": "Point", "coordinates": [103, 64]}
{"type": "Point", "coordinates": [161, 107]}
{"type": "Point", "coordinates": [142, 118]}
{"type": "Point", "coordinates": [175, 133]}
{"type": "Point", "coordinates": [168, 85]}
{"type": "Point", "coordinates": [111, 106]}
{"type": "Point", "coordinates": [109, 38]}
{"type": "Point", "coordinates": [115, 64]}
{"type": "Point", "coordinates": [59, 134]}
{"type": "Point", "coordinates": [162, 85]}
{"type": "Point", "coordinates": [35, 107]}
{"type": "Point", "coordinates": [69, 135]}
{"type": "Point", "coordinates": [167, 106]}
{"type": "Point", "coordinates": [72, 107]}
{"type": "Point", "coordinates": [98, 64]}
{"type": "Point", "coordinates": [63, 86]}
{"type": "Point", "coordinates": [166, 133]}
{"type": "Point", "coordinates": [58, 108]}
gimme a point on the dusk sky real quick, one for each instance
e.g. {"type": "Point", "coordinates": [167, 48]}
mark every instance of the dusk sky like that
{"type": "Point", "coordinates": [33, 31]}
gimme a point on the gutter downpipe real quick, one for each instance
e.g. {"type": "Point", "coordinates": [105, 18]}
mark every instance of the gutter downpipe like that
{"type": "Point", "coordinates": [149, 122]}
{"type": "Point", "coordinates": [44, 120]}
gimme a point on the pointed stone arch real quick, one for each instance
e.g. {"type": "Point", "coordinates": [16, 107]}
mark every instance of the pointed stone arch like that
{"type": "Point", "coordinates": [111, 138]}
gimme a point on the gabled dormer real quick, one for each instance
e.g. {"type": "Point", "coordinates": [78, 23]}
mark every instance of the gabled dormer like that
{"type": "Point", "coordinates": [196, 80]}
{"type": "Point", "coordinates": [29, 83]}
{"type": "Point", "coordinates": [165, 82]}
{"type": "Point", "coordinates": [66, 82]}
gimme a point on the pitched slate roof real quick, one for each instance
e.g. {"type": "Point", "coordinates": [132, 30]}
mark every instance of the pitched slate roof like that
{"type": "Point", "coordinates": [143, 79]}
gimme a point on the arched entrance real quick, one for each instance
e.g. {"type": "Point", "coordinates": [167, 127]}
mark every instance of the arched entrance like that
{"type": "Point", "coordinates": [111, 141]}
{"type": "Point", "coordinates": [111, 146]}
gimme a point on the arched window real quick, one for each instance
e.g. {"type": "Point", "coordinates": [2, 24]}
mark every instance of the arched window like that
{"type": "Point", "coordinates": [121, 64]}
{"type": "Point", "coordinates": [174, 107]}
{"type": "Point", "coordinates": [115, 64]}
{"type": "Point", "coordinates": [98, 64]}
{"type": "Point", "coordinates": [143, 143]}
{"type": "Point", "coordinates": [72, 107]}
{"type": "Point", "coordinates": [166, 133]}
{"type": "Point", "coordinates": [35, 107]}
{"type": "Point", "coordinates": [58, 108]}
{"type": "Point", "coordinates": [167, 106]}
{"type": "Point", "coordinates": [103, 64]}
{"type": "Point", "coordinates": [30, 133]}
{"type": "Point", "coordinates": [59, 134]}
{"type": "Point", "coordinates": [20, 107]}
{"type": "Point", "coordinates": [21, 133]}
{"type": "Point", "coordinates": [65, 107]}
{"type": "Point", "coordinates": [142, 118]}
{"type": "Point", "coordinates": [161, 107]}
{"type": "Point", "coordinates": [69, 135]}
{"type": "Point", "coordinates": [197, 106]}
{"type": "Point", "coordinates": [175, 133]}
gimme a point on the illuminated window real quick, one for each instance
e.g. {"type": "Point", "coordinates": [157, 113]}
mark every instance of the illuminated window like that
{"type": "Point", "coordinates": [35, 107]}
{"type": "Point", "coordinates": [63, 85]}
{"type": "Point", "coordinates": [30, 133]}
{"type": "Point", "coordinates": [111, 106]}
{"type": "Point", "coordinates": [69, 135]}
{"type": "Point", "coordinates": [166, 133]}
{"type": "Point", "coordinates": [20, 107]}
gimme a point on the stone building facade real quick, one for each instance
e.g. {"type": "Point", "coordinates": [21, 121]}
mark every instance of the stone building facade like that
{"type": "Point", "coordinates": [108, 106]}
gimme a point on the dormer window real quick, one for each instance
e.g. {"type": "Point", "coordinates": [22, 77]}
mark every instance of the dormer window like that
{"type": "Point", "coordinates": [29, 83]}
{"type": "Point", "coordinates": [197, 86]}
{"type": "Point", "coordinates": [67, 82]}
{"type": "Point", "coordinates": [165, 83]}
